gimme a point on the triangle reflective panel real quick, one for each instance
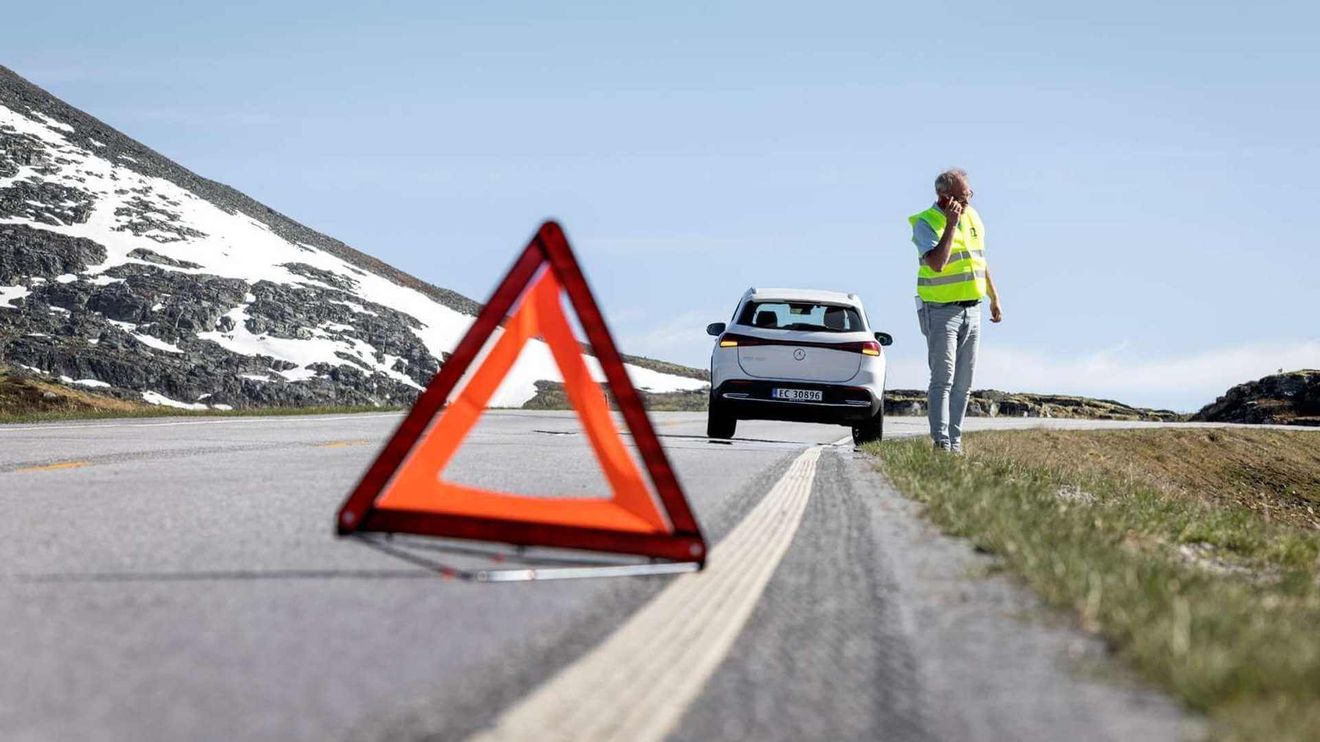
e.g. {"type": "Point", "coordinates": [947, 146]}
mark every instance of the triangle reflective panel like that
{"type": "Point", "coordinates": [404, 490]}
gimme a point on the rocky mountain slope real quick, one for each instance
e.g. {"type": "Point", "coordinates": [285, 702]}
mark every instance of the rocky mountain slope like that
{"type": "Point", "coordinates": [1287, 399]}
{"type": "Point", "coordinates": [122, 271]}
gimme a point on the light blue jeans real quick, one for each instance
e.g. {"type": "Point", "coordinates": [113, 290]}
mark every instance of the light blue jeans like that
{"type": "Point", "coordinates": [953, 334]}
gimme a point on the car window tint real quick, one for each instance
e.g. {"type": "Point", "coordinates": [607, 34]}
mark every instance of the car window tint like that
{"type": "Point", "coordinates": [806, 316]}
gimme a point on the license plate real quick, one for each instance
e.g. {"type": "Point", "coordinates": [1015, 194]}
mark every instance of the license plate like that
{"type": "Point", "coordinates": [798, 395]}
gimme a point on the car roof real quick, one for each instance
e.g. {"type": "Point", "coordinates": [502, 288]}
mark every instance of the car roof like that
{"type": "Point", "coordinates": [819, 295]}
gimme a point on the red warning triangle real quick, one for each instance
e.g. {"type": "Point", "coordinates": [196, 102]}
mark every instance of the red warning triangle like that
{"type": "Point", "coordinates": [404, 490]}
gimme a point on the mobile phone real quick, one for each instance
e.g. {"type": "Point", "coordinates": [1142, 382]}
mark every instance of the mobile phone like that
{"type": "Point", "coordinates": [944, 201]}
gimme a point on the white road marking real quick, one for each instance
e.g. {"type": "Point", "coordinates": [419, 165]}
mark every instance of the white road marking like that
{"type": "Point", "coordinates": [637, 684]}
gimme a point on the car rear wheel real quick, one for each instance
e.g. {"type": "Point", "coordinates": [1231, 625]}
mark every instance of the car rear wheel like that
{"type": "Point", "coordinates": [719, 422]}
{"type": "Point", "coordinates": [871, 430]}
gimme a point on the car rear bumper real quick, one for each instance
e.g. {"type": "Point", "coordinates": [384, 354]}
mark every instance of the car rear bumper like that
{"type": "Point", "coordinates": [840, 405]}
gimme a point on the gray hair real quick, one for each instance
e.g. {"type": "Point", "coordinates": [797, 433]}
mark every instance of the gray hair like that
{"type": "Point", "coordinates": [945, 180]}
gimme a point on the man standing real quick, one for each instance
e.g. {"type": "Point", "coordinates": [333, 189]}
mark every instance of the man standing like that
{"type": "Point", "coordinates": [951, 281]}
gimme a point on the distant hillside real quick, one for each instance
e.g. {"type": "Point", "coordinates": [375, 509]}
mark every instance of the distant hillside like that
{"type": "Point", "coordinates": [1291, 398]}
{"type": "Point", "coordinates": [994, 403]}
{"type": "Point", "coordinates": [912, 402]}
{"type": "Point", "coordinates": [128, 274]}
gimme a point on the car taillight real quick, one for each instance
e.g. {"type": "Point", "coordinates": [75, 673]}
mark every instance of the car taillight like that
{"type": "Point", "coordinates": [733, 340]}
{"type": "Point", "coordinates": [865, 347]}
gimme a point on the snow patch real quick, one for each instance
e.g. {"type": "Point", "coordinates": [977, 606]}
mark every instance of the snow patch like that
{"type": "Point", "coordinates": [11, 294]}
{"type": "Point", "coordinates": [303, 352]}
{"type": "Point", "coordinates": [151, 341]}
{"type": "Point", "coordinates": [160, 399]}
{"type": "Point", "coordinates": [51, 122]}
{"type": "Point", "coordinates": [94, 383]}
{"type": "Point", "coordinates": [298, 374]}
{"type": "Point", "coordinates": [358, 308]}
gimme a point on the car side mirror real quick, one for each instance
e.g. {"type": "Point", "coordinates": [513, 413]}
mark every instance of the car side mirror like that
{"type": "Point", "coordinates": [715, 329]}
{"type": "Point", "coordinates": [884, 338]}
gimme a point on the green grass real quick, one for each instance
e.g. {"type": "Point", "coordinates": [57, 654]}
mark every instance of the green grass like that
{"type": "Point", "coordinates": [1115, 528]}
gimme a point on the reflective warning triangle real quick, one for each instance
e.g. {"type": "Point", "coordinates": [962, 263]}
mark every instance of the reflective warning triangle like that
{"type": "Point", "coordinates": [404, 490]}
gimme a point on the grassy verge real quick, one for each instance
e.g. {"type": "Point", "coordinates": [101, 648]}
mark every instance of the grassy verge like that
{"type": "Point", "coordinates": [159, 411]}
{"type": "Point", "coordinates": [1193, 552]}
{"type": "Point", "coordinates": [27, 399]}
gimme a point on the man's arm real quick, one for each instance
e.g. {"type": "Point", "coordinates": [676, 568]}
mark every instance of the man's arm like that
{"type": "Point", "coordinates": [996, 314]}
{"type": "Point", "coordinates": [939, 257]}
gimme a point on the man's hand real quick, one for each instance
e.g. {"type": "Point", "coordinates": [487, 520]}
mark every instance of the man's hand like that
{"type": "Point", "coordinates": [953, 212]}
{"type": "Point", "coordinates": [937, 258]}
{"type": "Point", "coordinates": [996, 314]}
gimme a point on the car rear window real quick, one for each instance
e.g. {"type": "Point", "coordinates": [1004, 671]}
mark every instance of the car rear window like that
{"type": "Point", "coordinates": [798, 315]}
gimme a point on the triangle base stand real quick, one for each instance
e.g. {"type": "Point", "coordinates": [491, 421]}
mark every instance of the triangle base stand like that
{"type": "Point", "coordinates": [549, 568]}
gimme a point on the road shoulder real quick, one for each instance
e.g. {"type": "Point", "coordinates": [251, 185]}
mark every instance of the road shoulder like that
{"type": "Point", "coordinates": [997, 663]}
{"type": "Point", "coordinates": [886, 627]}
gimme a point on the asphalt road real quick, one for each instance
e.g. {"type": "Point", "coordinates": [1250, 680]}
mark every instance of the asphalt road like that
{"type": "Point", "coordinates": [178, 579]}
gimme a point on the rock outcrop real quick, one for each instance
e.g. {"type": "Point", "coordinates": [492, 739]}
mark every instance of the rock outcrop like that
{"type": "Point", "coordinates": [1291, 398]}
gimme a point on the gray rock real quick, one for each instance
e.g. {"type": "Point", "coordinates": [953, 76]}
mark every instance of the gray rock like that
{"type": "Point", "coordinates": [1289, 399]}
{"type": "Point", "coordinates": [154, 257]}
{"type": "Point", "coordinates": [26, 252]}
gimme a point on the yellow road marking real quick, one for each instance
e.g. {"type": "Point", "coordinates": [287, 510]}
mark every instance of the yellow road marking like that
{"type": "Point", "coordinates": [57, 466]}
{"type": "Point", "coordinates": [344, 444]}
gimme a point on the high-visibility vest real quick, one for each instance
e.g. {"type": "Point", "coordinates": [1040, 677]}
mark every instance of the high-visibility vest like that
{"type": "Point", "coordinates": [963, 277]}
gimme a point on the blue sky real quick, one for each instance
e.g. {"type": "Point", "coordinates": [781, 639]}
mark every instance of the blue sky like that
{"type": "Point", "coordinates": [1146, 171]}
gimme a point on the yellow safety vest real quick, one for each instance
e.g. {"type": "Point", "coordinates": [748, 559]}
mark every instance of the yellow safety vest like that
{"type": "Point", "coordinates": [963, 278]}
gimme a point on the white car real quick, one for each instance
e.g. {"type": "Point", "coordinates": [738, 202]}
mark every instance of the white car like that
{"type": "Point", "coordinates": [800, 355]}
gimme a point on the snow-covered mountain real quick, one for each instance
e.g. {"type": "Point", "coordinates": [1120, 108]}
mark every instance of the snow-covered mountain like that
{"type": "Point", "coordinates": [122, 270]}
